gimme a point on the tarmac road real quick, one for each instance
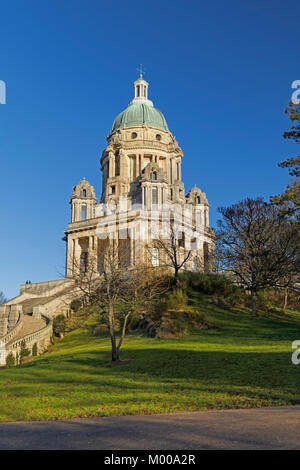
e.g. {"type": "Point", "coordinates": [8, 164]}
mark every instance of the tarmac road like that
{"type": "Point", "coordinates": [264, 428]}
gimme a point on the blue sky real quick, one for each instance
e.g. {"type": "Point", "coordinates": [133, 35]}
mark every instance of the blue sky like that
{"type": "Point", "coordinates": [221, 73]}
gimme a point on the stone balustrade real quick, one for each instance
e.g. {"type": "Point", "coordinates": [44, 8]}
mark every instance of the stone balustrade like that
{"type": "Point", "coordinates": [17, 325]}
{"type": "Point", "coordinates": [42, 337]}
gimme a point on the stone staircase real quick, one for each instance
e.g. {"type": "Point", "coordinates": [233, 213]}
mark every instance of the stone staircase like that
{"type": "Point", "coordinates": [29, 325]}
{"type": "Point", "coordinates": [28, 317]}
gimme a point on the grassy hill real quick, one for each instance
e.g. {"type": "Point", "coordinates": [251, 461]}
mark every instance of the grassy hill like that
{"type": "Point", "coordinates": [245, 362]}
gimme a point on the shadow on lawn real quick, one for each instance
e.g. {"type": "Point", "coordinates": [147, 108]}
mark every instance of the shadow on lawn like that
{"type": "Point", "coordinates": [154, 369]}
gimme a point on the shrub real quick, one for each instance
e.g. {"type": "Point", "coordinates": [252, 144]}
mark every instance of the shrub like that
{"type": "Point", "coordinates": [206, 283]}
{"type": "Point", "coordinates": [35, 350]}
{"type": "Point", "coordinates": [75, 305]}
{"type": "Point", "coordinates": [10, 360]}
{"type": "Point", "coordinates": [59, 325]}
{"type": "Point", "coordinates": [24, 352]}
{"type": "Point", "coordinates": [177, 324]}
{"type": "Point", "coordinates": [177, 300]}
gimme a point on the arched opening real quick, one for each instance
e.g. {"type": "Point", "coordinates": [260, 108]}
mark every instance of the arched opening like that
{"type": "Point", "coordinates": [83, 212]}
{"type": "Point", "coordinates": [154, 196]}
{"type": "Point", "coordinates": [83, 262]}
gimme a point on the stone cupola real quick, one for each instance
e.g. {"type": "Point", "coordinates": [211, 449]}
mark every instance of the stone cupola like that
{"type": "Point", "coordinates": [83, 201]}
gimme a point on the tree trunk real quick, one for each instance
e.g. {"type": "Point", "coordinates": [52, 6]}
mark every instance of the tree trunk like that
{"type": "Point", "coordinates": [254, 302]}
{"type": "Point", "coordinates": [122, 334]}
{"type": "Point", "coordinates": [176, 277]}
{"type": "Point", "coordinates": [114, 351]}
{"type": "Point", "coordinates": [286, 290]}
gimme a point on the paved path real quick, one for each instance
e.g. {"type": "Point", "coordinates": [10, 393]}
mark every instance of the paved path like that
{"type": "Point", "coordinates": [265, 428]}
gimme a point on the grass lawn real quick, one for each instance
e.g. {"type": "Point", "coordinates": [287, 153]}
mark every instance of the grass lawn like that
{"type": "Point", "coordinates": [244, 363]}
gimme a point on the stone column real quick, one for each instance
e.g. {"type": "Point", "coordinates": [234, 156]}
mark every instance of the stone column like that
{"type": "Point", "coordinates": [142, 162]}
{"type": "Point", "coordinates": [70, 256]}
{"type": "Point", "coordinates": [96, 250]}
{"type": "Point", "coordinates": [91, 249]}
{"type": "Point", "coordinates": [135, 167]}
{"type": "Point", "coordinates": [122, 163]}
{"type": "Point", "coordinates": [111, 165]}
{"type": "Point", "coordinates": [78, 211]}
{"type": "Point", "coordinates": [206, 216]}
{"type": "Point", "coordinates": [171, 170]}
{"type": "Point", "coordinates": [149, 197]}
{"type": "Point", "coordinates": [77, 254]}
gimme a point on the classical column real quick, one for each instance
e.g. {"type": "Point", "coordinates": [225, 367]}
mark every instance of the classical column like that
{"type": "Point", "coordinates": [91, 251]}
{"type": "Point", "coordinates": [78, 214]}
{"type": "Point", "coordinates": [70, 256]}
{"type": "Point", "coordinates": [135, 167]}
{"type": "Point", "coordinates": [206, 217]}
{"type": "Point", "coordinates": [171, 171]}
{"type": "Point", "coordinates": [111, 165]}
{"type": "Point", "coordinates": [76, 255]}
{"type": "Point", "coordinates": [122, 163]}
{"type": "Point", "coordinates": [96, 251]}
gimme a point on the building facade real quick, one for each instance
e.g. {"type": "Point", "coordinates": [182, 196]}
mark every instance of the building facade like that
{"type": "Point", "coordinates": [142, 195]}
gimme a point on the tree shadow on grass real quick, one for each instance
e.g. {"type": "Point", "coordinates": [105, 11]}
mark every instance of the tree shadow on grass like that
{"type": "Point", "coordinates": [155, 370]}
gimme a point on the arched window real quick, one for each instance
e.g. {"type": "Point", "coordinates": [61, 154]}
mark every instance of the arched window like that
{"type": "Point", "coordinates": [155, 257]}
{"type": "Point", "coordinates": [83, 212]}
{"type": "Point", "coordinates": [83, 262]}
{"type": "Point", "coordinates": [154, 195]}
{"type": "Point", "coordinates": [84, 193]}
{"type": "Point", "coordinates": [154, 175]}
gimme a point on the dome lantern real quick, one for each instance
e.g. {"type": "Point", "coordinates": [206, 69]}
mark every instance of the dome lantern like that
{"type": "Point", "coordinates": [140, 110]}
{"type": "Point", "coordinates": [140, 90]}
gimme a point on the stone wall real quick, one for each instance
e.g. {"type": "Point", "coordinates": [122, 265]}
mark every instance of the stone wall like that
{"type": "Point", "coordinates": [41, 337]}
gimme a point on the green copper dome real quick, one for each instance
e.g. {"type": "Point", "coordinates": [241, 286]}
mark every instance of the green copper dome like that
{"type": "Point", "coordinates": [140, 113]}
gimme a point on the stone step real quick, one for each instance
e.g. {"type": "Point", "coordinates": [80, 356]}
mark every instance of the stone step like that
{"type": "Point", "coordinates": [29, 325]}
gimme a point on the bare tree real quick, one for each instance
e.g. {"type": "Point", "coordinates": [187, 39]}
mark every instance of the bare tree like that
{"type": "Point", "coordinates": [258, 244]}
{"type": "Point", "coordinates": [2, 298]}
{"type": "Point", "coordinates": [171, 245]}
{"type": "Point", "coordinates": [119, 293]}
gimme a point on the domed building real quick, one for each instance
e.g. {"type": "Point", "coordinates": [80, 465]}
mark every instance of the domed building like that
{"type": "Point", "coordinates": [141, 181]}
{"type": "Point", "coordinates": [143, 201]}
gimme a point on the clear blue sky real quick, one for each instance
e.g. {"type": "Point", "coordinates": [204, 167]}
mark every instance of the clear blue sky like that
{"type": "Point", "coordinates": [221, 73]}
